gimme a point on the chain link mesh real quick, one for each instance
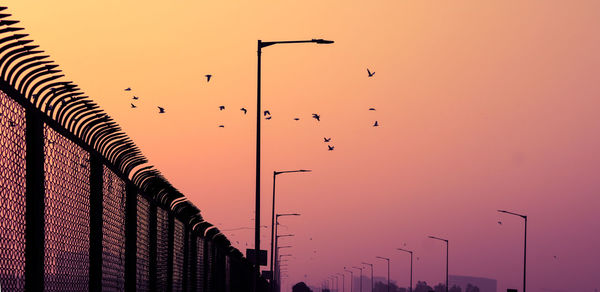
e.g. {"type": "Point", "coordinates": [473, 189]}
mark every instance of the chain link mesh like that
{"type": "Point", "coordinates": [67, 206]}
{"type": "Point", "coordinates": [200, 264]}
{"type": "Point", "coordinates": [178, 238]}
{"type": "Point", "coordinates": [143, 242]}
{"type": "Point", "coordinates": [12, 194]}
{"type": "Point", "coordinates": [113, 231]}
{"type": "Point", "coordinates": [162, 241]}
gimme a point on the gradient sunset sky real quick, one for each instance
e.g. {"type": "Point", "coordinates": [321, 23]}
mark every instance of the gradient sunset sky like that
{"type": "Point", "coordinates": [483, 105]}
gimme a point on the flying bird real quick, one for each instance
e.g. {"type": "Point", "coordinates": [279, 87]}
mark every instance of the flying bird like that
{"type": "Point", "coordinates": [296, 119]}
{"type": "Point", "coordinates": [221, 126]}
{"type": "Point", "coordinates": [208, 77]}
{"type": "Point", "coordinates": [376, 124]}
{"type": "Point", "coordinates": [221, 107]}
{"type": "Point", "coordinates": [326, 139]}
{"type": "Point", "coordinates": [244, 110]}
{"type": "Point", "coordinates": [267, 113]}
{"type": "Point", "coordinates": [161, 110]}
{"type": "Point", "coordinates": [128, 89]}
{"type": "Point", "coordinates": [371, 108]}
{"type": "Point", "coordinates": [370, 74]}
{"type": "Point", "coordinates": [316, 116]}
{"type": "Point", "coordinates": [330, 147]}
{"type": "Point", "coordinates": [499, 222]}
{"type": "Point", "coordinates": [133, 105]}
{"type": "Point", "coordinates": [268, 118]}
{"type": "Point", "coordinates": [135, 97]}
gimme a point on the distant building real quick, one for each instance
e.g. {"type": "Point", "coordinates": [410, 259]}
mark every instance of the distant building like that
{"type": "Point", "coordinates": [484, 284]}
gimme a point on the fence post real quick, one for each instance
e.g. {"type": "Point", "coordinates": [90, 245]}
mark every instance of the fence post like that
{"type": "Point", "coordinates": [153, 252]}
{"type": "Point", "coordinates": [130, 237]}
{"type": "Point", "coordinates": [170, 254]}
{"type": "Point", "coordinates": [96, 208]}
{"type": "Point", "coordinates": [34, 212]}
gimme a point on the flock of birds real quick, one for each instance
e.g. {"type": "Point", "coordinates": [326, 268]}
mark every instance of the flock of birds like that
{"type": "Point", "coordinates": [266, 113]}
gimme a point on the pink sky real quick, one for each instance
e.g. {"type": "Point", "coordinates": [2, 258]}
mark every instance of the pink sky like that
{"type": "Point", "coordinates": [483, 105]}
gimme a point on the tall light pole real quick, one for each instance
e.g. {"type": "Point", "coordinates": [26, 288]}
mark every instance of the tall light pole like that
{"type": "Point", "coordinates": [388, 278]}
{"type": "Point", "coordinates": [411, 266]}
{"type": "Point", "coordinates": [275, 174]}
{"type": "Point", "coordinates": [524, 247]}
{"type": "Point", "coordinates": [447, 244]}
{"type": "Point", "coordinates": [351, 278]}
{"type": "Point", "coordinates": [343, 279]}
{"type": "Point", "coordinates": [360, 279]}
{"type": "Point", "coordinates": [261, 45]}
{"type": "Point", "coordinates": [277, 259]}
{"type": "Point", "coordinates": [371, 274]}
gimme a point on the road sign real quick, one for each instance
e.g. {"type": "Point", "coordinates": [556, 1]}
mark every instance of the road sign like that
{"type": "Point", "coordinates": [262, 259]}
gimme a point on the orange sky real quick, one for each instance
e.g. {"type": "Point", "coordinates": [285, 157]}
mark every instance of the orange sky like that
{"type": "Point", "coordinates": [483, 105]}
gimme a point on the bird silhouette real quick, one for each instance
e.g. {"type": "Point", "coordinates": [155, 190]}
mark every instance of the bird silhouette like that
{"type": "Point", "coordinates": [326, 139]}
{"type": "Point", "coordinates": [268, 118]}
{"type": "Point", "coordinates": [371, 108]}
{"type": "Point", "coordinates": [135, 97]}
{"type": "Point", "coordinates": [208, 76]}
{"type": "Point", "coordinates": [128, 89]}
{"type": "Point", "coordinates": [133, 105]}
{"type": "Point", "coordinates": [316, 116]}
{"type": "Point", "coordinates": [221, 107]}
{"type": "Point", "coordinates": [221, 126]}
{"type": "Point", "coordinates": [267, 113]}
{"type": "Point", "coordinates": [370, 74]}
{"type": "Point", "coordinates": [376, 124]}
{"type": "Point", "coordinates": [161, 110]}
{"type": "Point", "coordinates": [499, 222]}
{"type": "Point", "coordinates": [244, 110]}
{"type": "Point", "coordinates": [296, 119]}
{"type": "Point", "coordinates": [330, 147]}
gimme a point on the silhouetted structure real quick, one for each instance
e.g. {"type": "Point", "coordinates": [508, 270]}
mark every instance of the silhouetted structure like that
{"type": "Point", "coordinates": [82, 209]}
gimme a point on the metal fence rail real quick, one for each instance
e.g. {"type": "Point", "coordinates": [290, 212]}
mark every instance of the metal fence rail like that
{"type": "Point", "coordinates": [80, 208]}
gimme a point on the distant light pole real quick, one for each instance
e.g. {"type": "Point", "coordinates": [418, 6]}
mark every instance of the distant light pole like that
{"type": "Point", "coordinates": [524, 247]}
{"type": "Point", "coordinates": [388, 278]}
{"type": "Point", "coordinates": [447, 244]}
{"type": "Point", "coordinates": [411, 266]}
{"type": "Point", "coordinates": [277, 241]}
{"type": "Point", "coordinates": [261, 45]}
{"type": "Point", "coordinates": [275, 174]}
{"type": "Point", "coordinates": [371, 274]}
{"type": "Point", "coordinates": [351, 278]}
{"type": "Point", "coordinates": [360, 279]}
{"type": "Point", "coordinates": [343, 279]}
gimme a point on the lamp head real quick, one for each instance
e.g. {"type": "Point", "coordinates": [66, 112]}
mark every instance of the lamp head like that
{"type": "Point", "coordinates": [322, 41]}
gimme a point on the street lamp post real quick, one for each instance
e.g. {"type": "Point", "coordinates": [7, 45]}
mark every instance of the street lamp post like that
{"type": "Point", "coordinates": [447, 247]}
{"type": "Point", "coordinates": [388, 277]}
{"type": "Point", "coordinates": [371, 274]}
{"type": "Point", "coordinates": [277, 259]}
{"type": "Point", "coordinates": [261, 45]}
{"type": "Point", "coordinates": [411, 266]}
{"type": "Point", "coordinates": [276, 242]}
{"type": "Point", "coordinates": [275, 174]}
{"type": "Point", "coordinates": [351, 278]}
{"type": "Point", "coordinates": [524, 247]}
{"type": "Point", "coordinates": [360, 279]}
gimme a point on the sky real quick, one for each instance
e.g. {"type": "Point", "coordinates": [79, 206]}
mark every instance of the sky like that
{"type": "Point", "coordinates": [482, 105]}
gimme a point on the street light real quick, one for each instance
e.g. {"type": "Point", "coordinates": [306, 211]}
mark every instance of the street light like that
{"type": "Point", "coordinates": [360, 279]}
{"type": "Point", "coordinates": [411, 266]}
{"type": "Point", "coordinates": [388, 279]}
{"type": "Point", "coordinates": [275, 174]}
{"type": "Point", "coordinates": [274, 267]}
{"type": "Point", "coordinates": [524, 247]}
{"type": "Point", "coordinates": [447, 247]}
{"type": "Point", "coordinates": [371, 274]}
{"type": "Point", "coordinates": [261, 45]}
{"type": "Point", "coordinates": [351, 278]}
